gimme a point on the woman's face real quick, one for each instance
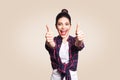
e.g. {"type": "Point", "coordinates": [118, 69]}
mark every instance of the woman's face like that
{"type": "Point", "coordinates": [63, 26]}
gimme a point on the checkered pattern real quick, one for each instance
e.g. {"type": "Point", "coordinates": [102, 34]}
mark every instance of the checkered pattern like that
{"type": "Point", "coordinates": [73, 57]}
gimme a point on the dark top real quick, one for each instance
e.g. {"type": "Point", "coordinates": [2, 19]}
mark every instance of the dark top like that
{"type": "Point", "coordinates": [73, 56]}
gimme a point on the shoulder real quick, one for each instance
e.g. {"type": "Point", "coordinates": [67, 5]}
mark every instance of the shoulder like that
{"type": "Point", "coordinates": [57, 38]}
{"type": "Point", "coordinates": [71, 38]}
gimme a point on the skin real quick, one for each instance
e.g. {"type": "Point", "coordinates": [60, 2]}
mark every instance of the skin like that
{"type": "Point", "coordinates": [63, 27]}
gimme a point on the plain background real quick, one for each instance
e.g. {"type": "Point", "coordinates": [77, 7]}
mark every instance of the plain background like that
{"type": "Point", "coordinates": [22, 37]}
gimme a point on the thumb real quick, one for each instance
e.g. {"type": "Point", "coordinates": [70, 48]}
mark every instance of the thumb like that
{"type": "Point", "coordinates": [77, 29]}
{"type": "Point", "coordinates": [47, 28]}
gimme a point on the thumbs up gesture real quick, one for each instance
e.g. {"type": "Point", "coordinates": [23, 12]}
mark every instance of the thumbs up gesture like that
{"type": "Point", "coordinates": [79, 34]}
{"type": "Point", "coordinates": [49, 37]}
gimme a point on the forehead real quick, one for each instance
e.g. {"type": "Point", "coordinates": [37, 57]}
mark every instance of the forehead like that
{"type": "Point", "coordinates": [63, 19]}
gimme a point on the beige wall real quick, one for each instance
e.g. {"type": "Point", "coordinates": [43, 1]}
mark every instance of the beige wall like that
{"type": "Point", "coordinates": [22, 30]}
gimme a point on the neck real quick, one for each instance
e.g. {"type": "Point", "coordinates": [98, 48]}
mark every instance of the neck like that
{"type": "Point", "coordinates": [64, 40]}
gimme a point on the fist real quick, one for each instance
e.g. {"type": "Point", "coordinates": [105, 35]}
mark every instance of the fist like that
{"type": "Point", "coordinates": [49, 36]}
{"type": "Point", "coordinates": [79, 34]}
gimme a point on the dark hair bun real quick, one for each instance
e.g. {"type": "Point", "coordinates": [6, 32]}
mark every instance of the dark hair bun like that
{"type": "Point", "coordinates": [64, 11]}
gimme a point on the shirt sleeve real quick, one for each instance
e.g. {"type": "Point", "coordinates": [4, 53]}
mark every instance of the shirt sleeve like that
{"type": "Point", "coordinates": [48, 48]}
{"type": "Point", "coordinates": [77, 48]}
{"type": "Point", "coordinates": [81, 46]}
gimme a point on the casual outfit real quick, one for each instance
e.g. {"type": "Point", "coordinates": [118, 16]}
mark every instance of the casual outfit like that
{"type": "Point", "coordinates": [64, 58]}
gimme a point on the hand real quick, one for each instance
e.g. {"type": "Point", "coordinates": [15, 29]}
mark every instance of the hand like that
{"type": "Point", "coordinates": [79, 34]}
{"type": "Point", "coordinates": [49, 37]}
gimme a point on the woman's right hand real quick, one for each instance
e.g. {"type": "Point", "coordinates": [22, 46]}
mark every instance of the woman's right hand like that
{"type": "Point", "coordinates": [49, 37]}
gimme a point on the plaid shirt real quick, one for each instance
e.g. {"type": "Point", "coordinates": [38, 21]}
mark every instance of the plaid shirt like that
{"type": "Point", "coordinates": [73, 56]}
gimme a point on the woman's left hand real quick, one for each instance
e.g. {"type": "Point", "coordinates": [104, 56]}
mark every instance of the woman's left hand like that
{"type": "Point", "coordinates": [79, 34]}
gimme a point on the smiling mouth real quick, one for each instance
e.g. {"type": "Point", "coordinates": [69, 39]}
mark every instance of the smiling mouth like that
{"type": "Point", "coordinates": [63, 32]}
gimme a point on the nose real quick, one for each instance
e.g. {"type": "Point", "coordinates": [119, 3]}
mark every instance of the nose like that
{"type": "Point", "coordinates": [63, 26]}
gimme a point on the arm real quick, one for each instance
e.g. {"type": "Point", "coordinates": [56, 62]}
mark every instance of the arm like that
{"type": "Point", "coordinates": [79, 44]}
{"type": "Point", "coordinates": [50, 44]}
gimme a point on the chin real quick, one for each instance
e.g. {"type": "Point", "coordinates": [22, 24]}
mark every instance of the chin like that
{"type": "Point", "coordinates": [64, 36]}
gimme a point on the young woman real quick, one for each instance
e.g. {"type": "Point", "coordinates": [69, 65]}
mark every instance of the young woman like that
{"type": "Point", "coordinates": [63, 49]}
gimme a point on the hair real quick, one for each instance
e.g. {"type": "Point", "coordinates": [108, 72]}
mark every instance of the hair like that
{"type": "Point", "coordinates": [63, 13]}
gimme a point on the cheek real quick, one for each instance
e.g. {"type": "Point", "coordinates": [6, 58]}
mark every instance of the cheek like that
{"type": "Point", "coordinates": [69, 27]}
{"type": "Point", "coordinates": [58, 27]}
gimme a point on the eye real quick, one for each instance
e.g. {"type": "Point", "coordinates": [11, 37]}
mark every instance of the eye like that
{"type": "Point", "coordinates": [59, 24]}
{"type": "Point", "coordinates": [67, 24]}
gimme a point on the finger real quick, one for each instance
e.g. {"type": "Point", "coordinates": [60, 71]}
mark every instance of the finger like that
{"type": "Point", "coordinates": [47, 28]}
{"type": "Point", "coordinates": [49, 40]}
{"type": "Point", "coordinates": [49, 36]}
{"type": "Point", "coordinates": [77, 29]}
{"type": "Point", "coordinates": [81, 37]}
{"type": "Point", "coordinates": [48, 33]}
{"type": "Point", "coordinates": [80, 32]}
